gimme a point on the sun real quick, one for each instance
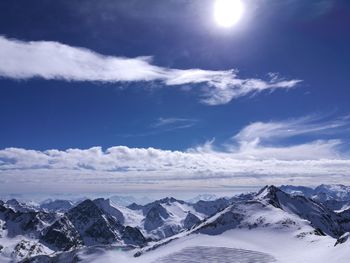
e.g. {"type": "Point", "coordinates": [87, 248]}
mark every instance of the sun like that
{"type": "Point", "coordinates": [227, 13]}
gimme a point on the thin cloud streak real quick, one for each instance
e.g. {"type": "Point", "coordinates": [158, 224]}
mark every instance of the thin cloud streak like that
{"type": "Point", "coordinates": [307, 125]}
{"type": "Point", "coordinates": [174, 123]}
{"type": "Point", "coordinates": [163, 125]}
{"type": "Point", "coordinates": [52, 60]}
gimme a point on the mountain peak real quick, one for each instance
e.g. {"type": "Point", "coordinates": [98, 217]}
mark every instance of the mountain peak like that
{"type": "Point", "coordinates": [168, 200]}
{"type": "Point", "coordinates": [106, 206]}
{"type": "Point", "coordinates": [267, 192]}
{"type": "Point", "coordinates": [87, 208]}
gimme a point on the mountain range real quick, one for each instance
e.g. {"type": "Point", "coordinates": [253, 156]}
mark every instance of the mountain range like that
{"type": "Point", "coordinates": [66, 231]}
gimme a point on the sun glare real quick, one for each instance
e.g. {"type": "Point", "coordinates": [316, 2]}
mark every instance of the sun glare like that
{"type": "Point", "coordinates": [227, 13]}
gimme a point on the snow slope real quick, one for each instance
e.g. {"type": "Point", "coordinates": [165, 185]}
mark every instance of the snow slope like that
{"type": "Point", "coordinates": [281, 247]}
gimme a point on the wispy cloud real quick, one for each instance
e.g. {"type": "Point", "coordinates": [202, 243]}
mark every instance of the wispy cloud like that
{"type": "Point", "coordinates": [163, 125]}
{"type": "Point", "coordinates": [53, 60]}
{"type": "Point", "coordinates": [311, 124]}
{"type": "Point", "coordinates": [263, 140]}
{"type": "Point", "coordinates": [246, 160]}
{"type": "Point", "coordinates": [174, 123]}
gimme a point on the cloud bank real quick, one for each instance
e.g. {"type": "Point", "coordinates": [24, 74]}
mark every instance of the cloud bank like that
{"type": "Point", "coordinates": [245, 160]}
{"type": "Point", "coordinates": [53, 60]}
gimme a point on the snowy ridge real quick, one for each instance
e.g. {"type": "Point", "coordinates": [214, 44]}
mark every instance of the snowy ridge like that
{"type": "Point", "coordinates": [320, 217]}
{"type": "Point", "coordinates": [246, 214]}
{"type": "Point", "coordinates": [271, 208]}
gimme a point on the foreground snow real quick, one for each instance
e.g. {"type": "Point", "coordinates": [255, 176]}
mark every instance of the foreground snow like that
{"type": "Point", "coordinates": [256, 245]}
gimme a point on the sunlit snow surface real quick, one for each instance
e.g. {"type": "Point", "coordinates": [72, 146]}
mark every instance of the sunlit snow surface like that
{"type": "Point", "coordinates": [203, 254]}
{"type": "Point", "coordinates": [236, 246]}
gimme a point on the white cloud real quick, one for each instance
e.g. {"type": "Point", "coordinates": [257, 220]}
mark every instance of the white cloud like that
{"type": "Point", "coordinates": [261, 140]}
{"type": "Point", "coordinates": [53, 60]}
{"type": "Point", "coordinates": [246, 162]}
{"type": "Point", "coordinates": [122, 168]}
{"type": "Point", "coordinates": [315, 150]}
{"type": "Point", "coordinates": [229, 89]}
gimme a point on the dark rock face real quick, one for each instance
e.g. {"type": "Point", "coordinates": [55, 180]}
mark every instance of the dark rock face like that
{"type": "Point", "coordinates": [344, 238]}
{"type": "Point", "coordinates": [210, 208]}
{"type": "Point", "coordinates": [57, 206]}
{"type": "Point", "coordinates": [224, 222]}
{"type": "Point", "coordinates": [344, 220]}
{"type": "Point", "coordinates": [155, 217]}
{"type": "Point", "coordinates": [62, 235]}
{"type": "Point", "coordinates": [5, 212]}
{"type": "Point", "coordinates": [135, 206]}
{"type": "Point", "coordinates": [133, 236]}
{"type": "Point", "coordinates": [92, 224]}
{"type": "Point", "coordinates": [335, 204]}
{"type": "Point", "coordinates": [84, 213]}
{"type": "Point", "coordinates": [190, 220]}
{"type": "Point", "coordinates": [107, 208]}
{"type": "Point", "coordinates": [100, 232]}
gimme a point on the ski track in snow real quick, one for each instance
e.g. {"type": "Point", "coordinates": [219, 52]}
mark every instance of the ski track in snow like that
{"type": "Point", "coordinates": [204, 254]}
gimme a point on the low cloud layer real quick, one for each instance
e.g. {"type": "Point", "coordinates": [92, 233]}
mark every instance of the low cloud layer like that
{"type": "Point", "coordinates": [53, 60]}
{"type": "Point", "coordinates": [245, 160]}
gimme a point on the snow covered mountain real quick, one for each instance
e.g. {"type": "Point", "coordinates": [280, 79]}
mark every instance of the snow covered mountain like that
{"type": "Point", "coordinates": [167, 217]}
{"type": "Point", "coordinates": [336, 192]}
{"type": "Point", "coordinates": [66, 234]}
{"type": "Point", "coordinates": [270, 209]}
{"type": "Point", "coordinates": [319, 216]}
{"type": "Point", "coordinates": [335, 197]}
{"type": "Point", "coordinates": [203, 197]}
{"type": "Point", "coordinates": [91, 223]}
{"type": "Point", "coordinates": [128, 200]}
{"type": "Point", "coordinates": [20, 207]}
{"type": "Point", "coordinates": [57, 205]}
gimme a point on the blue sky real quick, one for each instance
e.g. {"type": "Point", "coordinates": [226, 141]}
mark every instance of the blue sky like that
{"type": "Point", "coordinates": [159, 81]}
